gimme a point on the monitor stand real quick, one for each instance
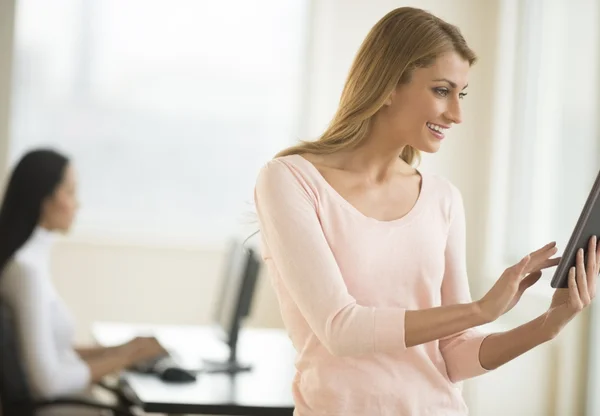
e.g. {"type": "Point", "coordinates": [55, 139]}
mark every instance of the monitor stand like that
{"type": "Point", "coordinates": [228, 366]}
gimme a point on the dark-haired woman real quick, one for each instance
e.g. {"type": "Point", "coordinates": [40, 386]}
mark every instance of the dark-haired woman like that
{"type": "Point", "coordinates": [41, 201]}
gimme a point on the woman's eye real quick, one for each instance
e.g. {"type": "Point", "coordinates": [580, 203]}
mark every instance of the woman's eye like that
{"type": "Point", "coordinates": [442, 92]}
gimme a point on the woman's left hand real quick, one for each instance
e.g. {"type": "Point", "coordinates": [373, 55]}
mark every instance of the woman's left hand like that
{"type": "Point", "coordinates": [567, 303]}
{"type": "Point", "coordinates": [539, 260]}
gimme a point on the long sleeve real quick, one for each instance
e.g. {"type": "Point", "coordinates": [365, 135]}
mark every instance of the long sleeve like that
{"type": "Point", "coordinates": [460, 351]}
{"type": "Point", "coordinates": [52, 372]}
{"type": "Point", "coordinates": [290, 227]}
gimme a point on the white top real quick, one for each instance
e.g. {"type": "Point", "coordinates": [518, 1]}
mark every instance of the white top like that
{"type": "Point", "coordinates": [45, 326]}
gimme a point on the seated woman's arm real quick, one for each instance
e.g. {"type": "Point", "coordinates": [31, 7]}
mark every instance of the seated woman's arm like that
{"type": "Point", "coordinates": [109, 360]}
{"type": "Point", "coordinates": [51, 372]}
{"type": "Point", "coordinates": [89, 352]}
{"type": "Point", "coordinates": [55, 372]}
{"type": "Point", "coordinates": [94, 351]}
{"type": "Point", "coordinates": [112, 360]}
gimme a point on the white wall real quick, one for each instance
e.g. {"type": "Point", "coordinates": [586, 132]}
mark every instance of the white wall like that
{"type": "Point", "coordinates": [146, 284]}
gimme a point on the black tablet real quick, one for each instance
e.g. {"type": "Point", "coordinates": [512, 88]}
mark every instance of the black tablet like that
{"type": "Point", "coordinates": [587, 225]}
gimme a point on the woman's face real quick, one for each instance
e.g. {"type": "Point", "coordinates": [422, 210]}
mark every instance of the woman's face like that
{"type": "Point", "coordinates": [420, 111]}
{"type": "Point", "coordinates": [58, 211]}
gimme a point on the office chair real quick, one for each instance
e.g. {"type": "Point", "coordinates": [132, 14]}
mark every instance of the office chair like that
{"type": "Point", "coordinates": [16, 398]}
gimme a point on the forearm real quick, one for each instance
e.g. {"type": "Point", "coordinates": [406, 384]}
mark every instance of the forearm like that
{"type": "Point", "coordinates": [499, 348]}
{"type": "Point", "coordinates": [90, 352]}
{"type": "Point", "coordinates": [110, 361]}
{"type": "Point", "coordinates": [422, 326]}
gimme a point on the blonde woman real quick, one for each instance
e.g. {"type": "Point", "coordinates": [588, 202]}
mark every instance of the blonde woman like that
{"type": "Point", "coordinates": [367, 253]}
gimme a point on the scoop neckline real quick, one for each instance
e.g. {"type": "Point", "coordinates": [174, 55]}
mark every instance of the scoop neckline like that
{"type": "Point", "coordinates": [412, 213]}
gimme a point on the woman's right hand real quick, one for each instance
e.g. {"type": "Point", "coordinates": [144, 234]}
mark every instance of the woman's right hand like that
{"type": "Point", "coordinates": [511, 285]}
{"type": "Point", "coordinates": [568, 303]}
{"type": "Point", "coordinates": [146, 348]}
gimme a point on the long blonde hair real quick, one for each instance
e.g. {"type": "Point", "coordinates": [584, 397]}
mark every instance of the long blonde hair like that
{"type": "Point", "coordinates": [404, 39]}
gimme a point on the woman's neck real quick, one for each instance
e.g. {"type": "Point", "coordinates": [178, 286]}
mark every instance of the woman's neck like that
{"type": "Point", "coordinates": [377, 162]}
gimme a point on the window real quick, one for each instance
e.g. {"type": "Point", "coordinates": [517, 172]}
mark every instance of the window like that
{"type": "Point", "coordinates": [167, 107]}
{"type": "Point", "coordinates": [553, 154]}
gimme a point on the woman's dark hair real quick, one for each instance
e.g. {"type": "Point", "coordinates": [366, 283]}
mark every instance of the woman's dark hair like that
{"type": "Point", "coordinates": [35, 177]}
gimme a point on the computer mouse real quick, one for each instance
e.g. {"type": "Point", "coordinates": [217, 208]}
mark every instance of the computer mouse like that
{"type": "Point", "coordinates": [177, 375]}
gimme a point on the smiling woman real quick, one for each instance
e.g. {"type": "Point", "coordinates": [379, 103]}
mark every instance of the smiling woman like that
{"type": "Point", "coordinates": [430, 99]}
{"type": "Point", "coordinates": [367, 253]}
{"type": "Point", "coordinates": [373, 81]}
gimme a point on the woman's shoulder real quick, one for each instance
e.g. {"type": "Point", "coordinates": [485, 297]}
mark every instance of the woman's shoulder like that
{"type": "Point", "coordinates": [293, 163]}
{"type": "Point", "coordinates": [19, 274]}
{"type": "Point", "coordinates": [444, 195]}
{"type": "Point", "coordinates": [285, 173]}
{"type": "Point", "coordinates": [442, 186]}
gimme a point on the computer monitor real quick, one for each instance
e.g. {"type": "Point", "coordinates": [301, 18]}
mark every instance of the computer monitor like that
{"type": "Point", "coordinates": [234, 304]}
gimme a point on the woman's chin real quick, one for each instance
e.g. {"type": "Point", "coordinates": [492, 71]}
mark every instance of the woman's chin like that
{"type": "Point", "coordinates": [429, 147]}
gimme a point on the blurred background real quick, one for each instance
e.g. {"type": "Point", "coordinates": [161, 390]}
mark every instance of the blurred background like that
{"type": "Point", "coordinates": [169, 108]}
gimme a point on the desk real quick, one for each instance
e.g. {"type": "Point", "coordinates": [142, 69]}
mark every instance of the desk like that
{"type": "Point", "coordinates": [263, 391]}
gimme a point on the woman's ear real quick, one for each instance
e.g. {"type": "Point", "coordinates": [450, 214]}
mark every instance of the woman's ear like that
{"type": "Point", "coordinates": [390, 98]}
